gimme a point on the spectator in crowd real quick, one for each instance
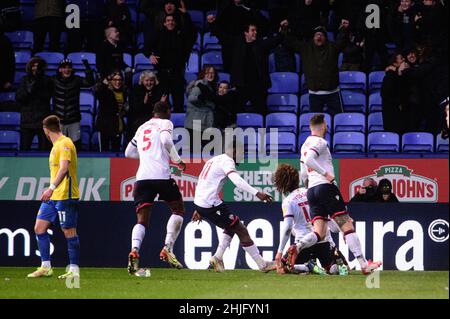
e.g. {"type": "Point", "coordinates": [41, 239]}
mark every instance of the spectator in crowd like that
{"type": "Point", "coordinates": [143, 98]}
{"type": "Point", "coordinates": [89, 35]}
{"type": "Point", "coordinates": [227, 107]}
{"type": "Point", "coordinates": [109, 57]}
{"type": "Point", "coordinates": [305, 15]}
{"type": "Point", "coordinates": [66, 98]}
{"type": "Point", "coordinates": [367, 192]}
{"type": "Point", "coordinates": [8, 63]}
{"type": "Point", "coordinates": [49, 17]}
{"type": "Point", "coordinates": [404, 24]}
{"type": "Point", "coordinates": [33, 99]}
{"type": "Point", "coordinates": [320, 64]}
{"type": "Point", "coordinates": [118, 15]}
{"type": "Point", "coordinates": [201, 100]}
{"type": "Point", "coordinates": [385, 194]}
{"type": "Point", "coordinates": [249, 68]}
{"type": "Point", "coordinates": [352, 51]}
{"type": "Point", "coordinates": [112, 107]}
{"type": "Point", "coordinates": [169, 52]}
{"type": "Point", "coordinates": [430, 23]}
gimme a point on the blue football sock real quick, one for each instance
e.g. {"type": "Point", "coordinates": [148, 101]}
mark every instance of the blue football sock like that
{"type": "Point", "coordinates": [44, 246]}
{"type": "Point", "coordinates": [73, 246]}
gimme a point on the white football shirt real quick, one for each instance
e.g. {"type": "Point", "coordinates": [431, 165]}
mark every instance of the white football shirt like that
{"type": "Point", "coordinates": [320, 147]}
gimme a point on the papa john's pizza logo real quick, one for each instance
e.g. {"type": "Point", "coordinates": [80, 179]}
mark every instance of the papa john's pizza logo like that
{"type": "Point", "coordinates": [408, 187]}
{"type": "Point", "coordinates": [186, 183]}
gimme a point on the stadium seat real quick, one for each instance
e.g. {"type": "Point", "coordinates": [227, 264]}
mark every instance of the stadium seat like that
{"type": "Point", "coordinates": [282, 103]}
{"type": "Point", "coordinates": [349, 142]}
{"type": "Point", "coordinates": [77, 57]}
{"type": "Point", "coordinates": [304, 103]}
{"type": "Point", "coordinates": [85, 141]}
{"type": "Point", "coordinates": [193, 63]}
{"type": "Point", "coordinates": [340, 59]}
{"type": "Point", "coordinates": [418, 142]}
{"type": "Point", "coordinates": [330, 36]}
{"type": "Point", "coordinates": [10, 121]}
{"type": "Point", "coordinates": [27, 14]}
{"type": "Point", "coordinates": [127, 58]}
{"type": "Point", "coordinates": [245, 120]}
{"type": "Point", "coordinates": [22, 58]}
{"type": "Point", "coordinates": [441, 144]}
{"type": "Point", "coordinates": [21, 39]}
{"type": "Point", "coordinates": [141, 62]}
{"type": "Point", "coordinates": [303, 86]}
{"type": "Point", "coordinates": [86, 122]}
{"type": "Point", "coordinates": [52, 58]}
{"type": "Point", "coordinates": [272, 65]}
{"type": "Point", "coordinates": [9, 140]}
{"type": "Point", "coordinates": [375, 102]}
{"type": "Point", "coordinates": [352, 80]}
{"type": "Point", "coordinates": [349, 122]}
{"type": "Point", "coordinates": [7, 96]}
{"type": "Point", "coordinates": [140, 41]}
{"type": "Point", "coordinates": [375, 122]}
{"type": "Point", "coordinates": [286, 142]}
{"type": "Point", "coordinates": [284, 82]}
{"type": "Point", "coordinates": [133, 15]}
{"type": "Point", "coordinates": [189, 77]}
{"type": "Point", "coordinates": [224, 76]}
{"type": "Point", "coordinates": [284, 122]}
{"type": "Point", "coordinates": [375, 81]}
{"type": "Point", "coordinates": [62, 41]}
{"type": "Point", "coordinates": [178, 119]}
{"type": "Point", "coordinates": [213, 58]}
{"type": "Point", "coordinates": [87, 102]}
{"type": "Point", "coordinates": [198, 18]}
{"type": "Point", "coordinates": [304, 122]}
{"type": "Point", "coordinates": [17, 78]}
{"type": "Point", "coordinates": [304, 135]}
{"type": "Point", "coordinates": [383, 142]}
{"type": "Point", "coordinates": [198, 43]}
{"type": "Point", "coordinates": [95, 142]}
{"type": "Point", "coordinates": [353, 101]}
{"type": "Point", "coordinates": [211, 42]}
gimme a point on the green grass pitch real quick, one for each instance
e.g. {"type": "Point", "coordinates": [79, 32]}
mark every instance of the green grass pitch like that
{"type": "Point", "coordinates": [233, 284]}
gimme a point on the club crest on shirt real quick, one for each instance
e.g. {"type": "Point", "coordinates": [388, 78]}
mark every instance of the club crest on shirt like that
{"type": "Point", "coordinates": [231, 216]}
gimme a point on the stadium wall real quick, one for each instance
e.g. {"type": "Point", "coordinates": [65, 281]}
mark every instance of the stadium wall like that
{"type": "Point", "coordinates": [404, 236]}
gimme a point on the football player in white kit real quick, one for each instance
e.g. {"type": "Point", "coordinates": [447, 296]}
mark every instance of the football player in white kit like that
{"type": "Point", "coordinates": [325, 199]}
{"type": "Point", "coordinates": [297, 221]}
{"type": "Point", "coordinates": [208, 205]}
{"type": "Point", "coordinates": [153, 146]}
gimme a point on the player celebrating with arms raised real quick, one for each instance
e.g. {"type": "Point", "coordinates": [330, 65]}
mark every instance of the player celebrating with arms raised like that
{"type": "Point", "coordinates": [325, 199]}
{"type": "Point", "coordinates": [153, 146]}
{"type": "Point", "coordinates": [59, 200]}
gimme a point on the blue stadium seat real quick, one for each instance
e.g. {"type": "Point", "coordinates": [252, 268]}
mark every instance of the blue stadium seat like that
{"type": "Point", "coordinates": [352, 80]}
{"type": "Point", "coordinates": [178, 119]}
{"type": "Point", "coordinates": [350, 122]}
{"type": "Point", "coordinates": [193, 63]}
{"type": "Point", "coordinates": [85, 141]}
{"type": "Point", "coordinates": [213, 58]}
{"type": "Point", "coordinates": [272, 65]}
{"type": "Point", "coordinates": [133, 15]}
{"type": "Point", "coordinates": [353, 101]}
{"type": "Point", "coordinates": [304, 135]}
{"type": "Point", "coordinates": [140, 41]}
{"type": "Point", "coordinates": [282, 103]}
{"type": "Point", "coordinates": [284, 82]}
{"type": "Point", "coordinates": [284, 122]}
{"type": "Point", "coordinates": [383, 142]}
{"type": "Point", "coordinates": [95, 142]}
{"type": "Point", "coordinates": [189, 77]}
{"type": "Point", "coordinates": [303, 86]}
{"type": "Point", "coordinates": [128, 59]}
{"type": "Point", "coordinates": [375, 81]}
{"type": "Point", "coordinates": [224, 76]}
{"type": "Point", "coordinates": [375, 102]}
{"type": "Point", "coordinates": [245, 120]}
{"type": "Point", "coordinates": [135, 78]}
{"type": "Point", "coordinates": [286, 143]}
{"type": "Point", "coordinates": [62, 41]}
{"type": "Point", "coordinates": [22, 57]}
{"type": "Point", "coordinates": [349, 142]}
{"type": "Point", "coordinates": [86, 122]}
{"type": "Point", "coordinates": [340, 59]}
{"type": "Point", "coordinates": [9, 140]}
{"type": "Point", "coordinates": [141, 62]}
{"type": "Point", "coordinates": [375, 122]}
{"type": "Point", "coordinates": [7, 96]}
{"type": "Point", "coordinates": [441, 144]}
{"type": "Point", "coordinates": [17, 77]}
{"type": "Point", "coordinates": [198, 43]}
{"type": "Point", "coordinates": [417, 142]}
{"type": "Point", "coordinates": [10, 121]}
{"type": "Point", "coordinates": [21, 39]}
{"type": "Point", "coordinates": [77, 57]}
{"type": "Point", "coordinates": [304, 103]}
{"type": "Point", "coordinates": [87, 103]}
{"type": "Point", "coordinates": [198, 18]}
{"type": "Point", "coordinates": [211, 42]}
{"type": "Point", "coordinates": [52, 58]}
{"type": "Point", "coordinates": [27, 14]}
{"type": "Point", "coordinates": [330, 36]}
{"type": "Point", "coordinates": [304, 122]}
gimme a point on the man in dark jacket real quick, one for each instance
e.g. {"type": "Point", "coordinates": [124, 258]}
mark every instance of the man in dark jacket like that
{"type": "Point", "coordinates": [368, 191]}
{"type": "Point", "coordinates": [384, 192]}
{"type": "Point", "coordinates": [8, 64]}
{"type": "Point", "coordinates": [66, 98]}
{"type": "Point", "coordinates": [49, 17]}
{"type": "Point", "coordinates": [320, 64]}
{"type": "Point", "coordinates": [169, 52]}
{"type": "Point", "coordinates": [33, 99]}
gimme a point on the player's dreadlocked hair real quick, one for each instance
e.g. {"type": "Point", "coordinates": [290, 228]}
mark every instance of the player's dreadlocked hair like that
{"type": "Point", "coordinates": [286, 178]}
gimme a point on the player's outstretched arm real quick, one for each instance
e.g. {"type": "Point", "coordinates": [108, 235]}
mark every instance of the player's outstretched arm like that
{"type": "Point", "coordinates": [131, 150]}
{"type": "Point", "coordinates": [242, 184]}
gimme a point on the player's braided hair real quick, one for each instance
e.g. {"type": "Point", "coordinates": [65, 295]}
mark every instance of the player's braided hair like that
{"type": "Point", "coordinates": [286, 178]}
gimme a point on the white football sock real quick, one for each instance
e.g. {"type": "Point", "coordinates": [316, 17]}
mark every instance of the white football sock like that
{"type": "Point", "coordinates": [354, 245]}
{"type": "Point", "coordinates": [301, 268]}
{"type": "Point", "coordinates": [74, 269]}
{"type": "Point", "coordinates": [46, 264]}
{"type": "Point", "coordinates": [137, 236]}
{"type": "Point", "coordinates": [224, 243]}
{"type": "Point", "coordinates": [173, 230]}
{"type": "Point", "coordinates": [253, 251]}
{"type": "Point", "coordinates": [307, 241]}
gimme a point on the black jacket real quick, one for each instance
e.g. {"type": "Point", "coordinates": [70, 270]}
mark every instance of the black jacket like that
{"type": "Point", "coordinates": [110, 116]}
{"type": "Point", "coordinates": [109, 58]}
{"type": "Point", "coordinates": [66, 96]}
{"type": "Point", "coordinates": [226, 110]}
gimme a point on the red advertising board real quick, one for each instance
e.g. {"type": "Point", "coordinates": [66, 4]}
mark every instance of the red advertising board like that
{"type": "Point", "coordinates": [123, 172]}
{"type": "Point", "coordinates": [413, 180]}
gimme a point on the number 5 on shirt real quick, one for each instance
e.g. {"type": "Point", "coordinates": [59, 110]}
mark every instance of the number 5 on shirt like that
{"type": "Point", "coordinates": [146, 139]}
